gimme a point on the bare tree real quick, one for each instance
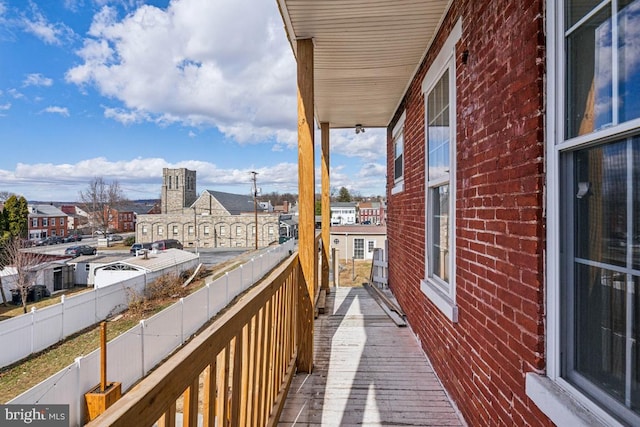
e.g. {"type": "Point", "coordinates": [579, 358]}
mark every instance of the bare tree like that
{"type": "Point", "coordinates": [100, 199]}
{"type": "Point", "coordinates": [26, 264]}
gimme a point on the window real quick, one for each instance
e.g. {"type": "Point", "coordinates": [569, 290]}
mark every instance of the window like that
{"type": "Point", "coordinates": [371, 245]}
{"type": "Point", "coordinates": [358, 248]}
{"type": "Point", "coordinates": [439, 91]}
{"type": "Point", "coordinates": [206, 230]}
{"type": "Point", "coordinates": [190, 230]}
{"type": "Point", "coordinates": [61, 221]}
{"type": "Point", "coordinates": [160, 230]}
{"type": "Point", "coordinates": [144, 229]}
{"type": "Point", "coordinates": [270, 231]}
{"type": "Point", "coordinates": [34, 222]}
{"type": "Point", "coordinates": [238, 230]}
{"type": "Point", "coordinates": [253, 230]}
{"type": "Point", "coordinates": [601, 273]}
{"type": "Point", "coordinates": [398, 154]}
{"type": "Point", "coordinates": [222, 230]}
{"type": "Point", "coordinates": [45, 222]}
{"type": "Point", "coordinates": [593, 250]}
{"type": "Point", "coordinates": [175, 230]}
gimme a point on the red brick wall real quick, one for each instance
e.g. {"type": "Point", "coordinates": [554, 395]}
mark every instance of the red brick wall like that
{"type": "Point", "coordinates": [482, 360]}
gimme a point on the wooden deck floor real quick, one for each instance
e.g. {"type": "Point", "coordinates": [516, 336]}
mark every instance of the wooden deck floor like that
{"type": "Point", "coordinates": [367, 372]}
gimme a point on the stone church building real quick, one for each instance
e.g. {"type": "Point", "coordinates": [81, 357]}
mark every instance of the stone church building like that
{"type": "Point", "coordinates": [212, 219]}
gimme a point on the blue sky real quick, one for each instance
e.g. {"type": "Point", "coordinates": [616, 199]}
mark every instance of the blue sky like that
{"type": "Point", "coordinates": [119, 89]}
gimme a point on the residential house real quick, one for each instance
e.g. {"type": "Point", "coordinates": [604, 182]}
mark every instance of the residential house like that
{"type": "Point", "coordinates": [77, 219]}
{"type": "Point", "coordinates": [46, 221]}
{"type": "Point", "coordinates": [343, 213]}
{"type": "Point", "coordinates": [212, 219]}
{"type": "Point", "coordinates": [512, 187]}
{"type": "Point", "coordinates": [353, 242]}
{"type": "Point", "coordinates": [372, 213]}
{"type": "Point", "coordinates": [122, 219]}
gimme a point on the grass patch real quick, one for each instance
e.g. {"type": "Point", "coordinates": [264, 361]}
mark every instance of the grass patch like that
{"type": "Point", "coordinates": [354, 272]}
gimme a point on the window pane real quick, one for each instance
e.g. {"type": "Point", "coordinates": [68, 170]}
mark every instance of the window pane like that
{"type": "Point", "coordinates": [440, 232]}
{"type": "Point", "coordinates": [636, 203]}
{"type": "Point", "coordinates": [399, 150]}
{"type": "Point", "coordinates": [600, 325]}
{"type": "Point", "coordinates": [588, 83]}
{"type": "Point", "coordinates": [358, 248]}
{"type": "Point", "coordinates": [629, 61]}
{"type": "Point", "coordinates": [577, 9]}
{"type": "Point", "coordinates": [600, 192]}
{"type": "Point", "coordinates": [438, 131]}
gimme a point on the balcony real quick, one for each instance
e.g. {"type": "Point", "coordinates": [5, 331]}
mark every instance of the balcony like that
{"type": "Point", "coordinates": [246, 368]}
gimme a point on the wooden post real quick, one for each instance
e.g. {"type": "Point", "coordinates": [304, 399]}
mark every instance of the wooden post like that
{"type": "Point", "coordinates": [306, 212]}
{"type": "Point", "coordinates": [326, 207]}
{"type": "Point", "coordinates": [103, 356]}
{"type": "Point", "coordinates": [105, 394]}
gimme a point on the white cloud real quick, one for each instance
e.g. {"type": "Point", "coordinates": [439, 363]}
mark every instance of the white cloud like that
{"type": "Point", "coordinates": [50, 33]}
{"type": "Point", "coordinates": [37, 79]}
{"type": "Point", "coordinates": [63, 111]}
{"type": "Point", "coordinates": [222, 63]}
{"type": "Point", "coordinates": [125, 117]}
{"type": "Point", "coordinates": [5, 107]}
{"type": "Point", "coordinates": [368, 146]}
{"type": "Point", "coordinates": [140, 177]}
{"type": "Point", "coordinates": [15, 94]}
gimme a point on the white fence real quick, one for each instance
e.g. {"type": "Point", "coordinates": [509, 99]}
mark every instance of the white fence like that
{"type": "Point", "coordinates": [133, 354]}
{"type": "Point", "coordinates": [380, 267]}
{"type": "Point", "coordinates": [40, 329]}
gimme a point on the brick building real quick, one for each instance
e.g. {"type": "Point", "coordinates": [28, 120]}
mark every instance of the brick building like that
{"type": "Point", "coordinates": [512, 188]}
{"type": "Point", "coordinates": [212, 219]}
{"type": "Point", "coordinates": [46, 221]}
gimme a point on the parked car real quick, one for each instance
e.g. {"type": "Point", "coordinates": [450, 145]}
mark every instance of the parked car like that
{"type": "Point", "coordinates": [72, 238]}
{"type": "Point", "coordinates": [161, 245]}
{"type": "Point", "coordinates": [80, 250]}
{"type": "Point", "coordinates": [114, 237]}
{"type": "Point", "coordinates": [51, 240]}
{"type": "Point", "coordinates": [138, 246]}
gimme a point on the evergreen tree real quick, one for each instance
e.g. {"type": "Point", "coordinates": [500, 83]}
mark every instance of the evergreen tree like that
{"type": "Point", "coordinates": [344, 195]}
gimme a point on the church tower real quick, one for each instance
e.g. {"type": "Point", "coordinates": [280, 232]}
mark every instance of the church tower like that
{"type": "Point", "coordinates": [178, 190]}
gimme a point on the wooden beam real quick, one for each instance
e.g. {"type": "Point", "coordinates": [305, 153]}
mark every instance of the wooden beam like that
{"type": "Point", "coordinates": [326, 207]}
{"type": "Point", "coordinates": [306, 211]}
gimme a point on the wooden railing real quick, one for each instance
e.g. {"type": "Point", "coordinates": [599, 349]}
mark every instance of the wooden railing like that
{"type": "Point", "coordinates": [236, 372]}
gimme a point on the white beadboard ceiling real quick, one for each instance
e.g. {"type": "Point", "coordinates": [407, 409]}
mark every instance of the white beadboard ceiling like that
{"type": "Point", "coordinates": [365, 53]}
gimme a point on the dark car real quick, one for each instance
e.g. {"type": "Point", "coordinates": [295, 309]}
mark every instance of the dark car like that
{"type": "Point", "coordinates": [80, 250]}
{"type": "Point", "coordinates": [139, 246]}
{"type": "Point", "coordinates": [114, 237]}
{"type": "Point", "coordinates": [72, 238]}
{"type": "Point", "coordinates": [51, 240]}
{"type": "Point", "coordinates": [162, 245]}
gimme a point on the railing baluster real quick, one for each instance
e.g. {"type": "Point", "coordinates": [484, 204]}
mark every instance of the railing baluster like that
{"type": "Point", "coordinates": [190, 406]}
{"type": "Point", "coordinates": [209, 398]}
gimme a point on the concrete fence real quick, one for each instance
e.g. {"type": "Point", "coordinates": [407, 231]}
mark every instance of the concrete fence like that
{"type": "Point", "coordinates": [133, 354]}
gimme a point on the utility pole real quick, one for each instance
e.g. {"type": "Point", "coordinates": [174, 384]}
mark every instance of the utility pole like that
{"type": "Point", "coordinates": [255, 204]}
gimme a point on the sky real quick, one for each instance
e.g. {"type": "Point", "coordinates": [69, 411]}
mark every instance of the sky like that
{"type": "Point", "coordinates": [119, 89]}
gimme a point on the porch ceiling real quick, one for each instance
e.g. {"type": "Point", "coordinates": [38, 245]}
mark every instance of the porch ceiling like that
{"type": "Point", "coordinates": [365, 53]}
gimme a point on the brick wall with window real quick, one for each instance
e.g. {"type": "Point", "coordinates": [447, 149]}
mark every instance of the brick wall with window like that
{"type": "Point", "coordinates": [466, 231]}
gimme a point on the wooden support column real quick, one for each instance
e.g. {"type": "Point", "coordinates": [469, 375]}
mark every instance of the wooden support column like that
{"type": "Point", "coordinates": [306, 203]}
{"type": "Point", "coordinates": [326, 211]}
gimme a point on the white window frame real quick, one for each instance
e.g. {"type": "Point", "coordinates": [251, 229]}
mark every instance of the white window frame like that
{"type": "Point", "coordinates": [563, 403]}
{"type": "Point", "coordinates": [398, 131]}
{"type": "Point", "coordinates": [442, 294]}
